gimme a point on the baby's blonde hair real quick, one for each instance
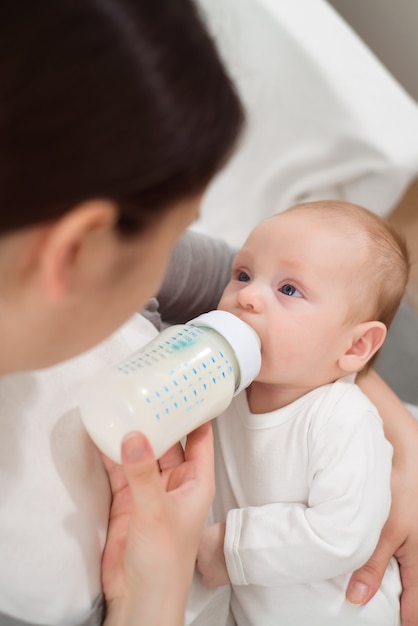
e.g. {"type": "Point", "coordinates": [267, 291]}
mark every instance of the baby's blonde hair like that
{"type": "Point", "coordinates": [383, 282]}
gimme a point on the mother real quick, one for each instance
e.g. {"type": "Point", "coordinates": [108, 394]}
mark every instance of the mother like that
{"type": "Point", "coordinates": [114, 116]}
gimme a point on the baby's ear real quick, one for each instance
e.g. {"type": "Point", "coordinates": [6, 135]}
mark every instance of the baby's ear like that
{"type": "Point", "coordinates": [367, 338]}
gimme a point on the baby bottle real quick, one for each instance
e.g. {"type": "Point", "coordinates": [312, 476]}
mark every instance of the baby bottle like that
{"type": "Point", "coordinates": [184, 377]}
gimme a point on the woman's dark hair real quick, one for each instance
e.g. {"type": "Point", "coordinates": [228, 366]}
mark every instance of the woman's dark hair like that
{"type": "Point", "coordinates": [119, 99]}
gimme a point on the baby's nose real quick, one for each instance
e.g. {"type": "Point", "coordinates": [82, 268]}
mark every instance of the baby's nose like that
{"type": "Point", "coordinates": [250, 297]}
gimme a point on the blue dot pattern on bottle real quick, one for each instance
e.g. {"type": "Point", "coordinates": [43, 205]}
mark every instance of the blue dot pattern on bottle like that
{"type": "Point", "coordinates": [186, 386]}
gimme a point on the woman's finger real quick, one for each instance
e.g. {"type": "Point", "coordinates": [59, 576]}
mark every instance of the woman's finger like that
{"type": "Point", "coordinates": [199, 448]}
{"type": "Point", "coordinates": [172, 458]}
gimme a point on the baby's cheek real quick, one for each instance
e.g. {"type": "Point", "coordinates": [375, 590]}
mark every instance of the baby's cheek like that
{"type": "Point", "coordinates": [267, 369]}
{"type": "Point", "coordinates": [224, 302]}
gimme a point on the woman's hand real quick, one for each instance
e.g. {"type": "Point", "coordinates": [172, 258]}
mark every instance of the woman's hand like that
{"type": "Point", "coordinates": [399, 536]}
{"type": "Point", "coordinates": [156, 519]}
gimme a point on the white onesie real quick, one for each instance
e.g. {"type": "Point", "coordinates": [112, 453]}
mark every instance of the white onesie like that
{"type": "Point", "coordinates": [305, 491]}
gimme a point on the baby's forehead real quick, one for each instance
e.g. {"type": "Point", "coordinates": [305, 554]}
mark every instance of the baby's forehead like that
{"type": "Point", "coordinates": [305, 221]}
{"type": "Point", "coordinates": [325, 244]}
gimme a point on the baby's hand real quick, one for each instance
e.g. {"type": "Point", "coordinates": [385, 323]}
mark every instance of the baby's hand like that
{"type": "Point", "coordinates": [210, 557]}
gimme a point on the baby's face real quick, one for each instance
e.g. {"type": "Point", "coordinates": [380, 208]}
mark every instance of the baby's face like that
{"type": "Point", "coordinates": [293, 283]}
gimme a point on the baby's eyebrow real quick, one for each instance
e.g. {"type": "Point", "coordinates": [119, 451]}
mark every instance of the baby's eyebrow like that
{"type": "Point", "coordinates": [236, 263]}
{"type": "Point", "coordinates": [243, 255]}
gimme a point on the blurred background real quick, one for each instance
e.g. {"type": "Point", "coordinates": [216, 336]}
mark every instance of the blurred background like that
{"type": "Point", "coordinates": [390, 30]}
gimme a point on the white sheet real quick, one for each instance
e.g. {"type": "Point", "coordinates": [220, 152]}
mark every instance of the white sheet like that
{"type": "Point", "coordinates": [325, 119]}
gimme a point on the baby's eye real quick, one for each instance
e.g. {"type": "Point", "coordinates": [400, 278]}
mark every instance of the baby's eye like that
{"type": "Point", "coordinates": [290, 290]}
{"type": "Point", "coordinates": [243, 277]}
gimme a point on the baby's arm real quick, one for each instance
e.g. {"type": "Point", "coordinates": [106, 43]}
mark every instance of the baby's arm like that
{"type": "Point", "coordinates": [400, 534]}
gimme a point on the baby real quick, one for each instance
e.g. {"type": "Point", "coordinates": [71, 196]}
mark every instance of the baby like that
{"type": "Point", "coordinates": [302, 464]}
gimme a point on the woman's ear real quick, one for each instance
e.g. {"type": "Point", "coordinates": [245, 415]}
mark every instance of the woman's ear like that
{"type": "Point", "coordinates": [366, 341]}
{"type": "Point", "coordinates": [65, 245]}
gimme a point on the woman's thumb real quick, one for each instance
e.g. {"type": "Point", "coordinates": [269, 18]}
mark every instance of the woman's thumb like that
{"type": "Point", "coordinates": [140, 469]}
{"type": "Point", "coordinates": [365, 581]}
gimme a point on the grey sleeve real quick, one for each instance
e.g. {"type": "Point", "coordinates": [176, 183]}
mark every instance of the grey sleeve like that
{"type": "Point", "coordinates": [199, 269]}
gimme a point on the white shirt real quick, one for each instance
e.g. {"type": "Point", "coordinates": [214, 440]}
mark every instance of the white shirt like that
{"type": "Point", "coordinates": [54, 491]}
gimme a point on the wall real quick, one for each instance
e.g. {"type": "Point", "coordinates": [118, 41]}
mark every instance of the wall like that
{"type": "Point", "coordinates": [390, 29]}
